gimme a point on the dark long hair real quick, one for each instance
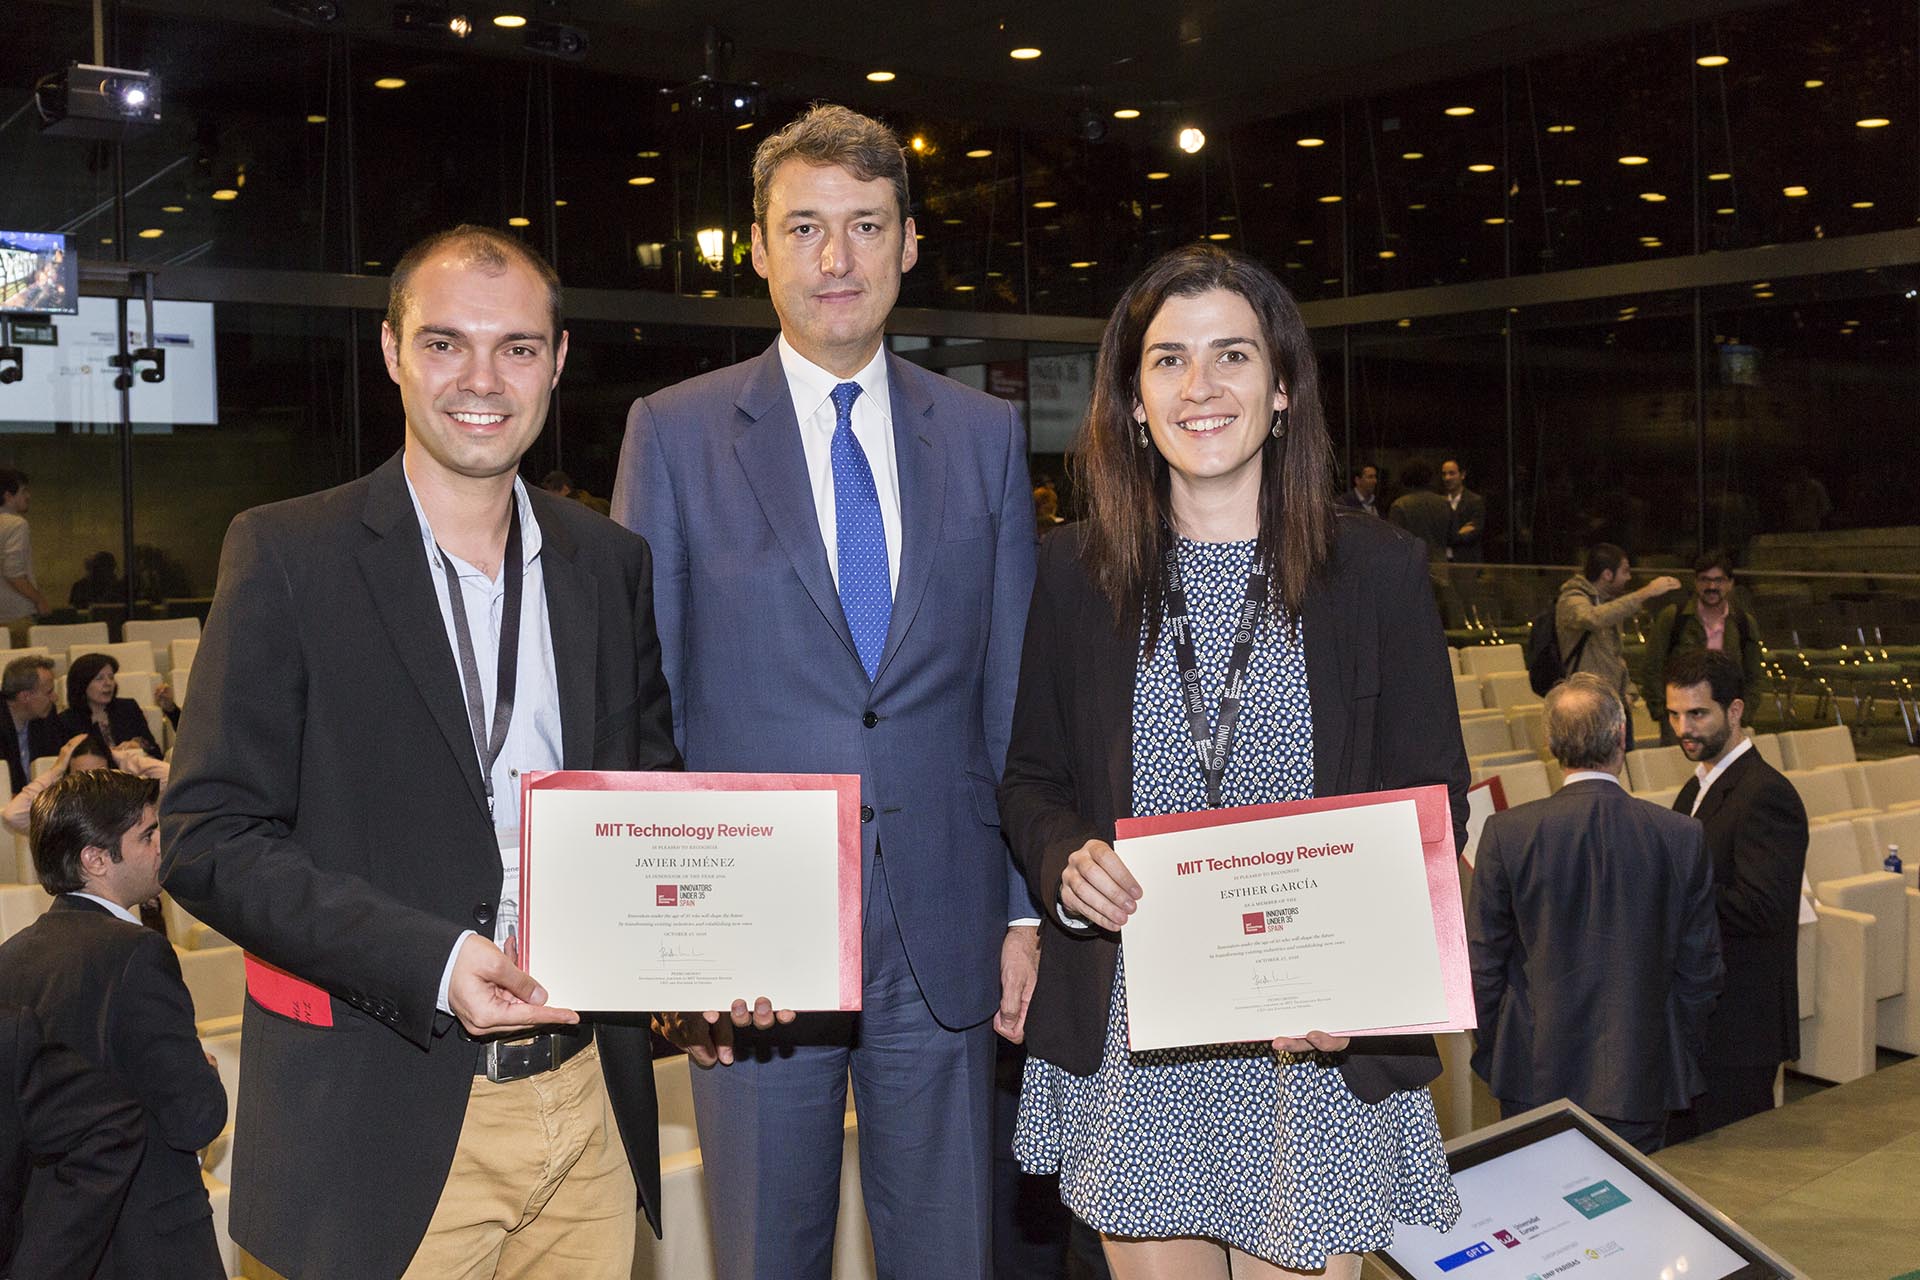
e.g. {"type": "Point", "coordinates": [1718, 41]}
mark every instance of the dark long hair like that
{"type": "Point", "coordinates": [1126, 486]}
{"type": "Point", "coordinates": [81, 674]}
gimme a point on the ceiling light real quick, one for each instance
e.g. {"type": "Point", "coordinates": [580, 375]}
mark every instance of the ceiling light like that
{"type": "Point", "coordinates": [1764, 293]}
{"type": "Point", "coordinates": [1459, 111]}
{"type": "Point", "coordinates": [646, 155]}
{"type": "Point", "coordinates": [1713, 60]}
{"type": "Point", "coordinates": [1872, 122]}
{"type": "Point", "coordinates": [880, 77]}
{"type": "Point", "coordinates": [1633, 159]}
{"type": "Point", "coordinates": [389, 82]}
{"type": "Point", "coordinates": [1311, 142]}
{"type": "Point", "coordinates": [919, 142]}
{"type": "Point", "coordinates": [644, 180]}
{"type": "Point", "coordinates": [373, 262]}
{"type": "Point", "coordinates": [1719, 177]}
{"type": "Point", "coordinates": [1081, 266]}
{"type": "Point", "coordinates": [1814, 84]}
{"type": "Point", "coordinates": [1416, 207]}
{"type": "Point", "coordinates": [963, 288]}
{"type": "Point", "coordinates": [152, 233]}
{"type": "Point", "coordinates": [1559, 128]}
{"type": "Point", "coordinates": [1566, 182]}
{"type": "Point", "coordinates": [173, 208]}
{"type": "Point", "coordinates": [1413, 155]}
{"type": "Point", "coordinates": [1653, 197]}
{"type": "Point", "coordinates": [1220, 235]}
{"type": "Point", "coordinates": [1652, 244]}
{"type": "Point", "coordinates": [1191, 140]}
{"type": "Point", "coordinates": [1861, 204]}
{"type": "Point", "coordinates": [316, 119]}
{"type": "Point", "coordinates": [1388, 253]}
{"type": "Point", "coordinates": [1724, 212]}
{"type": "Point", "coordinates": [519, 222]}
{"type": "Point", "coordinates": [1494, 222]}
{"type": "Point", "coordinates": [1793, 193]}
{"type": "Point", "coordinates": [1046, 204]}
{"type": "Point", "coordinates": [1157, 177]}
{"type": "Point", "coordinates": [509, 20]}
{"type": "Point", "coordinates": [1303, 242]}
{"type": "Point", "coordinates": [1403, 324]}
{"type": "Point", "coordinates": [559, 204]}
{"type": "Point", "coordinates": [1329, 199]}
{"type": "Point", "coordinates": [954, 222]}
{"type": "Point", "coordinates": [1127, 113]}
{"type": "Point", "coordinates": [743, 126]}
{"type": "Point", "coordinates": [226, 193]}
{"type": "Point", "coordinates": [979, 153]}
{"type": "Point", "coordinates": [1025, 54]}
{"type": "Point", "coordinates": [1761, 284]}
{"type": "Point", "coordinates": [709, 244]}
{"type": "Point", "coordinates": [1479, 168]}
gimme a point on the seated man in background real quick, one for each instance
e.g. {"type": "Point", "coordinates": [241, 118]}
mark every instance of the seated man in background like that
{"type": "Point", "coordinates": [1591, 932]}
{"type": "Point", "coordinates": [27, 687]}
{"type": "Point", "coordinates": [1708, 619]}
{"type": "Point", "coordinates": [64, 1117]}
{"type": "Point", "coordinates": [1756, 832]}
{"type": "Point", "coordinates": [111, 991]}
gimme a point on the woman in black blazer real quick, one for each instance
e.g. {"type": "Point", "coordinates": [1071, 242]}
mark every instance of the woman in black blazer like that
{"type": "Point", "coordinates": [92, 705]}
{"type": "Point", "coordinates": [1205, 450]}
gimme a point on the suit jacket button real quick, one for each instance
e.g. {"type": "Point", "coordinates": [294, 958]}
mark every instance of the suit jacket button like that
{"type": "Point", "coordinates": [866, 813]}
{"type": "Point", "coordinates": [483, 914]}
{"type": "Point", "coordinates": [869, 719]}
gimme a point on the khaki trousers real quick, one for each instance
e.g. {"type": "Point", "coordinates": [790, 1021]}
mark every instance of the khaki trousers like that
{"type": "Point", "coordinates": [540, 1184]}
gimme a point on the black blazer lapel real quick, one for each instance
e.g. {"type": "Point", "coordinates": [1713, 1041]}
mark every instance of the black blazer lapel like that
{"type": "Point", "coordinates": [921, 456]}
{"type": "Point", "coordinates": [395, 567]}
{"type": "Point", "coordinates": [1721, 792]}
{"type": "Point", "coordinates": [573, 621]}
{"type": "Point", "coordinates": [775, 464]}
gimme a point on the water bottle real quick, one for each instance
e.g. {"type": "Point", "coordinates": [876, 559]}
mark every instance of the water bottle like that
{"type": "Point", "coordinates": [1893, 859]}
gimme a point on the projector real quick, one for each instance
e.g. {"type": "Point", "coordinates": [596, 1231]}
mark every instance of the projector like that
{"type": "Point", "coordinates": [86, 101]}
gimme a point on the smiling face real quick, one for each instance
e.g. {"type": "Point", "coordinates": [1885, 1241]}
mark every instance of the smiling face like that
{"type": "Point", "coordinates": [832, 251]}
{"type": "Point", "coordinates": [476, 365]}
{"type": "Point", "coordinates": [1207, 395]}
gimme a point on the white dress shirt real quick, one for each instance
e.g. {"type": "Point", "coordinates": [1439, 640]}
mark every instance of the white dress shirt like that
{"type": "Point", "coordinates": [1709, 776]}
{"type": "Point", "coordinates": [533, 735]}
{"type": "Point", "coordinates": [812, 390]}
{"type": "Point", "coordinates": [114, 907]}
{"type": "Point", "coordinates": [1591, 775]}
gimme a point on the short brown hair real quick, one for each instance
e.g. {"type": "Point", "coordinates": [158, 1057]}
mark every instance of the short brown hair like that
{"type": "Point", "coordinates": [85, 809]}
{"type": "Point", "coordinates": [832, 135]}
{"type": "Point", "coordinates": [1584, 720]}
{"type": "Point", "coordinates": [491, 251]}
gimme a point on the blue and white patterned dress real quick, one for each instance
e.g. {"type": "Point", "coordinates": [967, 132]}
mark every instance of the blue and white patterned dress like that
{"type": "Point", "coordinates": [1264, 1151]}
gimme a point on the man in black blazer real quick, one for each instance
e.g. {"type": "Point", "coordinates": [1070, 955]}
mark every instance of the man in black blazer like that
{"type": "Point", "coordinates": [1591, 932]}
{"type": "Point", "coordinates": [64, 1117]}
{"type": "Point", "coordinates": [1363, 492]}
{"type": "Point", "coordinates": [1756, 830]}
{"type": "Point", "coordinates": [27, 689]}
{"type": "Point", "coordinates": [371, 874]}
{"type": "Point", "coordinates": [111, 991]}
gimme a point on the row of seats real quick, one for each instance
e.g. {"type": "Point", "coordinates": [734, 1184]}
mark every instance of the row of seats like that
{"type": "Point", "coordinates": [92, 637]}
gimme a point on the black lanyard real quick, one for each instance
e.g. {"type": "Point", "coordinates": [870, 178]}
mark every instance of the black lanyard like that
{"type": "Point", "coordinates": [1212, 746]}
{"type": "Point", "coordinates": [489, 746]}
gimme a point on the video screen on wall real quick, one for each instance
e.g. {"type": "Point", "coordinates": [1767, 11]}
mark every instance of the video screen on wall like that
{"type": "Point", "coordinates": [39, 274]}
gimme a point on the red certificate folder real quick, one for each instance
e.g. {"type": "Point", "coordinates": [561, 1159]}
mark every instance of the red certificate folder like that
{"type": "Point", "coordinates": [848, 863]}
{"type": "Point", "coordinates": [1443, 881]}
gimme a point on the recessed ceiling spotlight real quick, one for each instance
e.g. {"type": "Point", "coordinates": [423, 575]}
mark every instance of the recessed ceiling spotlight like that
{"type": "Point", "coordinates": [1873, 122]}
{"type": "Point", "coordinates": [1329, 199]}
{"type": "Point", "coordinates": [1459, 111]}
{"type": "Point", "coordinates": [1719, 177]}
{"type": "Point", "coordinates": [226, 193]}
{"type": "Point", "coordinates": [152, 233]}
{"type": "Point", "coordinates": [1861, 204]}
{"type": "Point", "coordinates": [1413, 155]}
{"type": "Point", "coordinates": [1046, 204]}
{"type": "Point", "coordinates": [1813, 84]}
{"type": "Point", "coordinates": [1026, 53]}
{"type": "Point", "coordinates": [979, 153]}
{"type": "Point", "coordinates": [1157, 176]}
{"type": "Point", "coordinates": [510, 21]}
{"type": "Point", "coordinates": [644, 180]}
{"type": "Point", "coordinates": [389, 82]}
{"type": "Point", "coordinates": [1388, 253]}
{"type": "Point", "coordinates": [173, 208]}
{"type": "Point", "coordinates": [1220, 235]}
{"type": "Point", "coordinates": [1310, 142]}
{"type": "Point", "coordinates": [1559, 128]}
{"type": "Point", "coordinates": [1191, 140]}
{"type": "Point", "coordinates": [1494, 222]}
{"type": "Point", "coordinates": [1653, 197]}
{"type": "Point", "coordinates": [1793, 193]}
{"type": "Point", "coordinates": [1712, 60]}
{"type": "Point", "coordinates": [1631, 160]}
{"type": "Point", "coordinates": [1127, 113]}
{"type": "Point", "coordinates": [1480, 168]}
{"type": "Point", "coordinates": [880, 77]}
{"type": "Point", "coordinates": [519, 222]}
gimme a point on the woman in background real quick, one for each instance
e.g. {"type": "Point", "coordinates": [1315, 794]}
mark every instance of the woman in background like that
{"type": "Point", "coordinates": [93, 705]}
{"type": "Point", "coordinates": [1206, 472]}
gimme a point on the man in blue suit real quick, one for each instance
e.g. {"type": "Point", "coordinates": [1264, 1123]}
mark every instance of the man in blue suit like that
{"type": "Point", "coordinates": [843, 555]}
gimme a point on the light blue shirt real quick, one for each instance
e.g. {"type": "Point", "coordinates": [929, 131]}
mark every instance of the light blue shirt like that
{"type": "Point", "coordinates": [114, 907]}
{"type": "Point", "coordinates": [533, 735]}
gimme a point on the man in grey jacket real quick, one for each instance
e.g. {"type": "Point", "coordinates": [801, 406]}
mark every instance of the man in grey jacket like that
{"type": "Point", "coordinates": [1592, 606]}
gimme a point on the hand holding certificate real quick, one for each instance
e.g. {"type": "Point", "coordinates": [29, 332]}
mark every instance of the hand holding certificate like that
{"type": "Point", "coordinates": [677, 891]}
{"type": "Point", "coordinates": [1340, 914]}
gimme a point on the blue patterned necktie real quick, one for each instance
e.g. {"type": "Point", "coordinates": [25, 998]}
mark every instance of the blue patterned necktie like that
{"type": "Point", "coordinates": [866, 589]}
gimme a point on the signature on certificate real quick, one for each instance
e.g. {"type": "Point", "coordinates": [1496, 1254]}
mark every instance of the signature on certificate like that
{"type": "Point", "coordinates": [670, 952]}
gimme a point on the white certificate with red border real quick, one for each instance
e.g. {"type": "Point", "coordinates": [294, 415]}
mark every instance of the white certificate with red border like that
{"type": "Point", "coordinates": [655, 891]}
{"type": "Point", "coordinates": [1339, 915]}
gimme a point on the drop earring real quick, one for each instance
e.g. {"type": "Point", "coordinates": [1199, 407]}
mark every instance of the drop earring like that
{"type": "Point", "coordinates": [1279, 424]}
{"type": "Point", "coordinates": [1142, 436]}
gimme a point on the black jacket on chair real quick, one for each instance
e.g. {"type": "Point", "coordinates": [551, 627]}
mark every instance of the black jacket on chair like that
{"type": "Point", "coordinates": [1384, 717]}
{"type": "Point", "coordinates": [1756, 831]}
{"type": "Point", "coordinates": [112, 992]}
{"type": "Point", "coordinates": [326, 812]}
{"type": "Point", "coordinates": [64, 1115]}
{"type": "Point", "coordinates": [1596, 956]}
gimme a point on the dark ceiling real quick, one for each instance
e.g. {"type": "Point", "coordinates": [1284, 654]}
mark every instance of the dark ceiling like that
{"type": "Point", "coordinates": [1216, 61]}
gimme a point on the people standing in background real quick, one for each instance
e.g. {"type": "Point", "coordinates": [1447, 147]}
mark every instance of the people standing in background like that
{"type": "Point", "coordinates": [1464, 541]}
{"type": "Point", "coordinates": [102, 583]}
{"type": "Point", "coordinates": [20, 597]}
{"type": "Point", "coordinates": [561, 484]}
{"type": "Point", "coordinates": [1592, 607]}
{"type": "Point", "coordinates": [1756, 833]}
{"type": "Point", "coordinates": [1363, 490]}
{"type": "Point", "coordinates": [1592, 937]}
{"type": "Point", "coordinates": [1710, 618]}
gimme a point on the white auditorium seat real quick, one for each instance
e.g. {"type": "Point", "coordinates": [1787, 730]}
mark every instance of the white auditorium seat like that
{"type": "Point", "coordinates": [1664, 797]}
{"type": "Point", "coordinates": [1528, 725]}
{"type": "Point", "coordinates": [133, 655]}
{"type": "Point", "coordinates": [61, 637]}
{"type": "Point", "coordinates": [1486, 659]}
{"type": "Point", "coordinates": [217, 980]}
{"type": "Point", "coordinates": [1520, 783]}
{"type": "Point", "coordinates": [1873, 833]}
{"type": "Point", "coordinates": [179, 682]}
{"type": "Point", "coordinates": [1837, 1034]}
{"type": "Point", "coordinates": [1826, 794]}
{"type": "Point", "coordinates": [184, 931]}
{"type": "Point", "coordinates": [1768, 745]}
{"type": "Point", "coordinates": [1834, 869]}
{"type": "Point", "coordinates": [1811, 748]}
{"type": "Point", "coordinates": [1485, 733]}
{"type": "Point", "coordinates": [161, 633]}
{"type": "Point", "coordinates": [225, 1052]}
{"type": "Point", "coordinates": [1510, 689]}
{"type": "Point", "coordinates": [181, 654]}
{"type": "Point", "coordinates": [1655, 768]}
{"type": "Point", "coordinates": [1467, 695]}
{"type": "Point", "coordinates": [137, 685]}
{"type": "Point", "coordinates": [1886, 784]}
{"type": "Point", "coordinates": [20, 906]}
{"type": "Point", "coordinates": [673, 1087]}
{"type": "Point", "coordinates": [1454, 660]}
